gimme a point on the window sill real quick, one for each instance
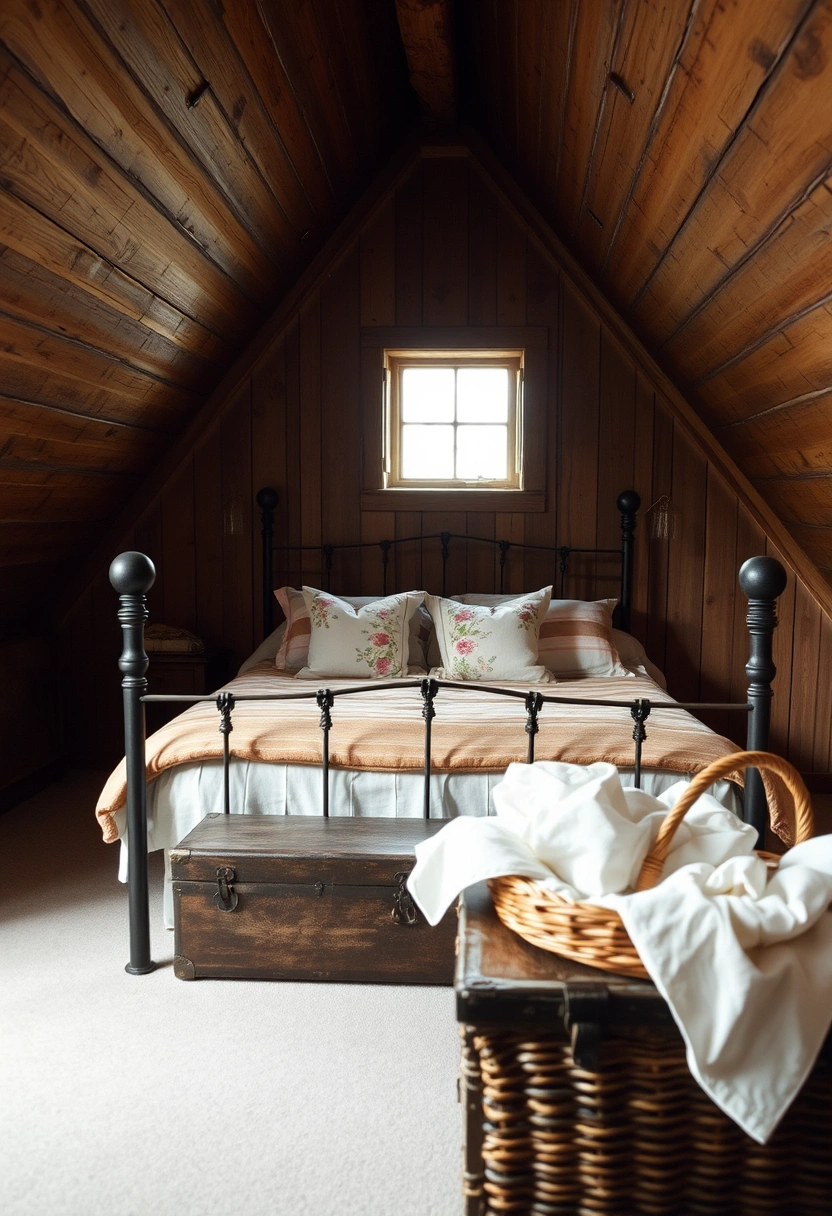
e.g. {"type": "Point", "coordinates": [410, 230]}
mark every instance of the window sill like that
{"type": "Point", "coordinates": [453, 500]}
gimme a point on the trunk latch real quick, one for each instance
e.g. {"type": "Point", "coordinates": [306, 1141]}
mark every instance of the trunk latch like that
{"type": "Point", "coordinates": [226, 897]}
{"type": "Point", "coordinates": [404, 909]}
{"type": "Point", "coordinates": [585, 1012]}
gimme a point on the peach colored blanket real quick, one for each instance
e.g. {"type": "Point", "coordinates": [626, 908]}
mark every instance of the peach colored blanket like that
{"type": "Point", "coordinates": [383, 731]}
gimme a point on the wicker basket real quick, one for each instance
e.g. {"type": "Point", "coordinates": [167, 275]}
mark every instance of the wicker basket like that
{"type": "Point", "coordinates": [596, 936]}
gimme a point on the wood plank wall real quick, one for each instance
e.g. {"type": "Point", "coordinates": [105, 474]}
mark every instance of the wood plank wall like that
{"type": "Point", "coordinates": [444, 251]}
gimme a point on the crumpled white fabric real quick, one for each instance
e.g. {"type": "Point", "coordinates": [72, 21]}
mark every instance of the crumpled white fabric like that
{"type": "Point", "coordinates": [742, 956]}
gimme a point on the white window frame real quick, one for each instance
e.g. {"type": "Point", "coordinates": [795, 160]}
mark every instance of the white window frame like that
{"type": "Point", "coordinates": [397, 361]}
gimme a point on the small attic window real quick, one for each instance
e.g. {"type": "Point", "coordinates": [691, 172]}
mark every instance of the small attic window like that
{"type": "Point", "coordinates": [453, 420]}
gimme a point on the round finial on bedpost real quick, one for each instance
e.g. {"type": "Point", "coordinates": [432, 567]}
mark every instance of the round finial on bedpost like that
{"type": "Point", "coordinates": [628, 502]}
{"type": "Point", "coordinates": [762, 578]}
{"type": "Point", "coordinates": [132, 573]}
{"type": "Point", "coordinates": [267, 499]}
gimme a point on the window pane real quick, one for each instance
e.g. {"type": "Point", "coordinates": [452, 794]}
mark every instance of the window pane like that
{"type": "Point", "coordinates": [482, 394]}
{"type": "Point", "coordinates": [427, 394]}
{"type": "Point", "coordinates": [482, 451]}
{"type": "Point", "coordinates": [427, 452]}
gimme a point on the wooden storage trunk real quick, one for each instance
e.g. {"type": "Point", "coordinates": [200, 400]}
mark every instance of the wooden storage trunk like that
{"type": "Point", "coordinates": [579, 1099]}
{"type": "Point", "coordinates": [299, 897]}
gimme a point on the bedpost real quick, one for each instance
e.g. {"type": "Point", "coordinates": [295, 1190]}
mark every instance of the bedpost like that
{"type": "Point", "coordinates": [133, 574]}
{"type": "Point", "coordinates": [762, 579]}
{"type": "Point", "coordinates": [267, 500]}
{"type": "Point", "coordinates": [628, 503]}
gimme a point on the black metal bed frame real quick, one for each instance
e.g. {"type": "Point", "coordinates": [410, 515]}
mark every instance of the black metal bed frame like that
{"type": "Point", "coordinates": [132, 575]}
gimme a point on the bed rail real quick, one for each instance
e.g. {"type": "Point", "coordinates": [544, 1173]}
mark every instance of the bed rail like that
{"type": "Point", "coordinates": [132, 575]}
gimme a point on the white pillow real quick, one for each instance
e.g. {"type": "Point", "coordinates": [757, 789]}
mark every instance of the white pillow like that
{"type": "Point", "coordinates": [477, 642]}
{"type": "Point", "coordinates": [293, 654]}
{"type": "Point", "coordinates": [576, 636]}
{"type": "Point", "coordinates": [358, 643]}
{"type": "Point", "coordinates": [266, 650]}
{"type": "Point", "coordinates": [633, 655]}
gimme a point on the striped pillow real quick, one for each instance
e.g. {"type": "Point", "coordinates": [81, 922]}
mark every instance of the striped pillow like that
{"type": "Point", "coordinates": [576, 639]}
{"type": "Point", "coordinates": [294, 649]}
{"type": "Point", "coordinates": [575, 636]}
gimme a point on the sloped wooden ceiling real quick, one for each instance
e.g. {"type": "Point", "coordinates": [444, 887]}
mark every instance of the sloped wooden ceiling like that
{"type": "Point", "coordinates": [683, 151]}
{"type": "Point", "coordinates": [167, 167]}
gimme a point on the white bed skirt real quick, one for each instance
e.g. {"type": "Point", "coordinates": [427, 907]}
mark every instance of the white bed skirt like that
{"type": "Point", "coordinates": [181, 796]}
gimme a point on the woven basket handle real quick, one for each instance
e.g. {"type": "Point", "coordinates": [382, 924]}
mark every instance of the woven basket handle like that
{"type": "Point", "coordinates": [765, 761]}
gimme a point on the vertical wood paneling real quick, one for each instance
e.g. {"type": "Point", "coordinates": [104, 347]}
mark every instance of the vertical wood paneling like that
{"type": "Point", "coordinates": [643, 482]}
{"type": "Point", "coordinates": [720, 591]}
{"type": "Point", "coordinates": [656, 640]}
{"type": "Point", "coordinates": [268, 448]}
{"type": "Point", "coordinates": [209, 543]}
{"type": "Point", "coordinates": [543, 308]}
{"type": "Point", "coordinates": [378, 525]}
{"type": "Point", "coordinates": [684, 571]}
{"type": "Point", "coordinates": [456, 579]}
{"type": "Point", "coordinates": [409, 555]}
{"type": "Point", "coordinates": [511, 271]}
{"type": "Point", "coordinates": [822, 751]}
{"type": "Point", "coordinates": [309, 403]}
{"type": "Point", "coordinates": [577, 456]}
{"type": "Point", "coordinates": [341, 426]}
{"type": "Point", "coordinates": [178, 549]}
{"type": "Point", "coordinates": [409, 247]}
{"type": "Point", "coordinates": [510, 526]}
{"type": "Point", "coordinates": [616, 433]}
{"type": "Point", "coordinates": [445, 250]}
{"type": "Point", "coordinates": [378, 269]}
{"type": "Point", "coordinates": [289, 515]}
{"type": "Point", "coordinates": [805, 675]}
{"type": "Point", "coordinates": [482, 253]}
{"type": "Point", "coordinates": [238, 604]}
{"type": "Point", "coordinates": [306, 418]}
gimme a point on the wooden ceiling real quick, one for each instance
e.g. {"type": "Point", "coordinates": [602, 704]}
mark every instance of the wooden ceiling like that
{"type": "Point", "coordinates": [168, 167]}
{"type": "Point", "coordinates": [683, 151]}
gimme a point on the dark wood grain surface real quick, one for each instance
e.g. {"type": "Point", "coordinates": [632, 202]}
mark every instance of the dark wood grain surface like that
{"type": "Point", "coordinates": [314, 901]}
{"type": "Point", "coordinates": [297, 418]}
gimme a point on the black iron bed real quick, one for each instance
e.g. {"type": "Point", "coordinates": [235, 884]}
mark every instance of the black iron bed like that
{"type": "Point", "coordinates": [132, 574]}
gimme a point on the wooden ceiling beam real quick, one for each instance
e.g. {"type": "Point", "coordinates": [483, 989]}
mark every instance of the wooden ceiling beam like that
{"type": "Point", "coordinates": [781, 407]}
{"type": "Point", "coordinates": [427, 32]}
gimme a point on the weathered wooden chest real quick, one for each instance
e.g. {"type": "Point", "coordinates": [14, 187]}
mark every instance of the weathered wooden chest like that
{"type": "Point", "coordinates": [298, 897]}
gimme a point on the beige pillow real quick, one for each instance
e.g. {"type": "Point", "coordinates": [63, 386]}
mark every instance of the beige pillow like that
{"type": "Point", "coordinates": [576, 639]}
{"type": "Point", "coordinates": [477, 642]}
{"type": "Point", "coordinates": [358, 643]}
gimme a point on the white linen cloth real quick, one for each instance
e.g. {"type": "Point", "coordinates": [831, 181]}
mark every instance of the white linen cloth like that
{"type": "Point", "coordinates": [742, 956]}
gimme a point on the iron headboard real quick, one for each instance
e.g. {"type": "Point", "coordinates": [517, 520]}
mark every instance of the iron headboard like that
{"type": "Point", "coordinates": [628, 503]}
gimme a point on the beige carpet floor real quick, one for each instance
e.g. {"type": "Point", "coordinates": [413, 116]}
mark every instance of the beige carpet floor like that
{"type": "Point", "coordinates": [126, 1096]}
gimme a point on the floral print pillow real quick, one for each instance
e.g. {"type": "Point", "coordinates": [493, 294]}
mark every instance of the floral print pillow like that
{"type": "Point", "coordinates": [370, 641]}
{"type": "Point", "coordinates": [491, 643]}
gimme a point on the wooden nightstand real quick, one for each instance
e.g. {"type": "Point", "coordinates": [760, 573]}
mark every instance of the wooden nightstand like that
{"type": "Point", "coordinates": [181, 673]}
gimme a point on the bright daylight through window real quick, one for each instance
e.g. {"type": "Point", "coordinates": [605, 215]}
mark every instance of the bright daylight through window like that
{"type": "Point", "coordinates": [454, 421]}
